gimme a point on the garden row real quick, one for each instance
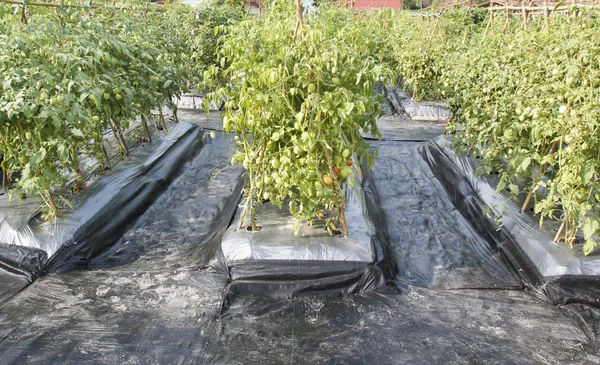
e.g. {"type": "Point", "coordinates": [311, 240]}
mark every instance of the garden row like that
{"type": "Point", "coordinates": [299, 89]}
{"type": "Point", "coordinates": [72, 73]}
{"type": "Point", "coordinates": [526, 101]}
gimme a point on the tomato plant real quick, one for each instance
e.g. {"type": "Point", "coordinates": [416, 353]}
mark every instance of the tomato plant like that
{"type": "Point", "coordinates": [297, 106]}
{"type": "Point", "coordinates": [526, 101]}
{"type": "Point", "coordinates": [71, 74]}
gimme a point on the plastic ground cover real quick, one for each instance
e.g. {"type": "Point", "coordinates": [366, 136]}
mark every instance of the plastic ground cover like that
{"type": "Point", "coordinates": [101, 217]}
{"type": "Point", "coordinates": [561, 274]}
{"type": "Point", "coordinates": [161, 294]}
{"type": "Point", "coordinates": [276, 263]}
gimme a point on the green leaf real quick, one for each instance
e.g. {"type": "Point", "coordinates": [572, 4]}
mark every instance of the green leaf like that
{"type": "Point", "coordinates": [590, 227]}
{"type": "Point", "coordinates": [587, 173]}
{"type": "Point", "coordinates": [589, 246]}
{"type": "Point", "coordinates": [525, 163]}
{"type": "Point", "coordinates": [37, 157]}
{"type": "Point", "coordinates": [77, 132]}
{"type": "Point", "coordinates": [296, 227]}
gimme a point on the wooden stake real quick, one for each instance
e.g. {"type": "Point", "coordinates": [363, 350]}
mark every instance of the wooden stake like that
{"type": "Point", "coordinates": [119, 136]}
{"type": "Point", "coordinates": [23, 16]}
{"type": "Point", "coordinates": [299, 11]}
{"type": "Point", "coordinates": [560, 230]}
{"type": "Point", "coordinates": [489, 24]}
{"type": "Point", "coordinates": [162, 118]}
{"type": "Point", "coordinates": [343, 221]}
{"type": "Point", "coordinates": [144, 122]}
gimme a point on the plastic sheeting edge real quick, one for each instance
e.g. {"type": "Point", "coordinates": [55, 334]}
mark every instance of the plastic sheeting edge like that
{"type": "Point", "coordinates": [112, 221]}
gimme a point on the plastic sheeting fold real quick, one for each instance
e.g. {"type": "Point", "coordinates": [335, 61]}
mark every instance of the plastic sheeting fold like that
{"type": "Point", "coordinates": [112, 205]}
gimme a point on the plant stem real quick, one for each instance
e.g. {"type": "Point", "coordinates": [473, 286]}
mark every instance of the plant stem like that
{"type": "Point", "coordinates": [535, 187]}
{"type": "Point", "coordinates": [146, 128]}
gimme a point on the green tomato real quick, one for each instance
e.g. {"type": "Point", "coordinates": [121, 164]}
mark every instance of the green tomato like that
{"type": "Point", "coordinates": [60, 98]}
{"type": "Point", "coordinates": [268, 180]}
{"type": "Point", "coordinates": [345, 171]}
{"type": "Point", "coordinates": [266, 195]}
{"type": "Point", "coordinates": [95, 119]}
{"type": "Point", "coordinates": [44, 95]}
{"type": "Point", "coordinates": [318, 185]}
{"type": "Point", "coordinates": [28, 136]}
{"type": "Point", "coordinates": [118, 97]}
{"type": "Point", "coordinates": [273, 77]}
{"type": "Point", "coordinates": [346, 153]}
{"type": "Point", "coordinates": [311, 88]}
{"type": "Point", "coordinates": [276, 164]}
{"type": "Point", "coordinates": [336, 81]}
{"type": "Point", "coordinates": [213, 135]}
{"type": "Point", "coordinates": [106, 96]}
{"type": "Point", "coordinates": [260, 185]}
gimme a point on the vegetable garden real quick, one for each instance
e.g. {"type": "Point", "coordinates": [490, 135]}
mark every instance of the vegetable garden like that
{"type": "Point", "coordinates": [325, 219]}
{"type": "Point", "coordinates": [299, 91]}
{"type": "Point", "coordinates": [525, 100]}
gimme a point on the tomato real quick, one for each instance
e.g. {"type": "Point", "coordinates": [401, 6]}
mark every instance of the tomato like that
{"type": "Point", "coordinates": [95, 119]}
{"type": "Point", "coordinates": [336, 171]}
{"type": "Point", "coordinates": [311, 88]}
{"type": "Point", "coordinates": [118, 97]}
{"type": "Point", "coordinates": [213, 135]}
{"type": "Point", "coordinates": [349, 162]}
{"type": "Point", "coordinates": [106, 96]}
{"type": "Point", "coordinates": [327, 180]}
{"type": "Point", "coordinates": [336, 81]}
{"type": "Point", "coordinates": [346, 153]}
{"type": "Point", "coordinates": [276, 164]}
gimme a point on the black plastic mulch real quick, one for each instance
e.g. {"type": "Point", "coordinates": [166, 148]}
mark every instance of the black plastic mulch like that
{"type": "Point", "coordinates": [158, 295]}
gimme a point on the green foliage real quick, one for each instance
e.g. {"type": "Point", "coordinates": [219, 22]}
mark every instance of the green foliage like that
{"type": "Point", "coordinates": [203, 40]}
{"type": "Point", "coordinates": [297, 106]}
{"type": "Point", "coordinates": [70, 75]}
{"type": "Point", "coordinates": [527, 101]}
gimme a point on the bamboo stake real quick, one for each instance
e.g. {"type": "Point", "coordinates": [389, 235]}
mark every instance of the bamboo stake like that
{"type": "Point", "coordinates": [489, 24]}
{"type": "Point", "coordinates": [506, 23]}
